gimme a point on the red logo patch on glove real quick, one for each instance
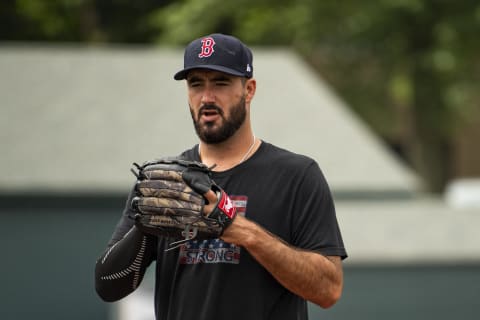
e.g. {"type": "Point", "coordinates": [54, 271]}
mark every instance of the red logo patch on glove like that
{"type": "Point", "coordinates": [226, 205]}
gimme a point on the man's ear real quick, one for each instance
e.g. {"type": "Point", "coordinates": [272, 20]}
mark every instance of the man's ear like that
{"type": "Point", "coordinates": [250, 87]}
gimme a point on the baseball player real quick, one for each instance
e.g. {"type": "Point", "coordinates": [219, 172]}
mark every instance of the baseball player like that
{"type": "Point", "coordinates": [238, 228]}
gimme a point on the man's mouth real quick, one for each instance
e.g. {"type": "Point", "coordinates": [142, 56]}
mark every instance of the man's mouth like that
{"type": "Point", "coordinates": [209, 114]}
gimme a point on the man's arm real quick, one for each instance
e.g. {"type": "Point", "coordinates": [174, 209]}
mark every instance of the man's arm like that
{"type": "Point", "coordinates": [120, 269]}
{"type": "Point", "coordinates": [314, 277]}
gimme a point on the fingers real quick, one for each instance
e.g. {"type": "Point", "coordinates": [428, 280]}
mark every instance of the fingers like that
{"type": "Point", "coordinates": [212, 199]}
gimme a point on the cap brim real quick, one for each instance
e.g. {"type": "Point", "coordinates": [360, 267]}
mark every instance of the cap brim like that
{"type": "Point", "coordinates": [182, 74]}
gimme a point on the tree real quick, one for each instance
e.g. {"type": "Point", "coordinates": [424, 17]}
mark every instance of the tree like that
{"type": "Point", "coordinates": [90, 21]}
{"type": "Point", "coordinates": [416, 61]}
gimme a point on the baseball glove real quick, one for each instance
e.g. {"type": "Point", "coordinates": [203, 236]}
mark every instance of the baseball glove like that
{"type": "Point", "coordinates": [170, 201]}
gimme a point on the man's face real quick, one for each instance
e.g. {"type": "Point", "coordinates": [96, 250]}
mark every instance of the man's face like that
{"type": "Point", "coordinates": [217, 104]}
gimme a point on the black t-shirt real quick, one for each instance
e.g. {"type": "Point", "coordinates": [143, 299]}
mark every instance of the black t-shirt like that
{"type": "Point", "coordinates": [287, 194]}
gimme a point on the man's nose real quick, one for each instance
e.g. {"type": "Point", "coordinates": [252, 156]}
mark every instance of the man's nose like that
{"type": "Point", "coordinates": [208, 96]}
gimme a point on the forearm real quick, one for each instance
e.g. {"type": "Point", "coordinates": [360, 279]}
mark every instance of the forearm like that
{"type": "Point", "coordinates": [308, 274]}
{"type": "Point", "coordinates": [121, 268]}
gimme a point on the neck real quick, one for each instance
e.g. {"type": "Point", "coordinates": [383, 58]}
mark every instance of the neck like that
{"type": "Point", "coordinates": [230, 153]}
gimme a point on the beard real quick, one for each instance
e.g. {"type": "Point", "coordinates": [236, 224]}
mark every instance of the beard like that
{"type": "Point", "coordinates": [211, 133]}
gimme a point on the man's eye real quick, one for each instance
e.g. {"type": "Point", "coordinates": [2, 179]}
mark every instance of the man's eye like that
{"type": "Point", "coordinates": [222, 83]}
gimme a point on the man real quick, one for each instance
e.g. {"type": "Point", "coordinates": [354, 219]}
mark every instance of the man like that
{"type": "Point", "coordinates": [283, 248]}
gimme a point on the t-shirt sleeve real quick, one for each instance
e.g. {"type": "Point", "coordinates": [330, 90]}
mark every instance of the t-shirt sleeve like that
{"type": "Point", "coordinates": [315, 225]}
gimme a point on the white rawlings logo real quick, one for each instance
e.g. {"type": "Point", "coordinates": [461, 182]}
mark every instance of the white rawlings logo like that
{"type": "Point", "coordinates": [229, 204]}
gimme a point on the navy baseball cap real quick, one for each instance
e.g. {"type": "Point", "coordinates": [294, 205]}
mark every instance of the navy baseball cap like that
{"type": "Point", "coordinates": [217, 52]}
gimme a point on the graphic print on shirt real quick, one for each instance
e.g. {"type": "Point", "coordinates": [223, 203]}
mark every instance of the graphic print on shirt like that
{"type": "Point", "coordinates": [214, 250]}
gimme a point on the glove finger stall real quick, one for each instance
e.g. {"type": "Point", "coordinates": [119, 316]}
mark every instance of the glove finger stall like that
{"type": "Point", "coordinates": [162, 174]}
{"type": "Point", "coordinates": [167, 226]}
{"type": "Point", "coordinates": [171, 220]}
{"type": "Point", "coordinates": [163, 184]}
{"type": "Point", "coordinates": [166, 206]}
{"type": "Point", "coordinates": [171, 195]}
{"type": "Point", "coordinates": [149, 189]}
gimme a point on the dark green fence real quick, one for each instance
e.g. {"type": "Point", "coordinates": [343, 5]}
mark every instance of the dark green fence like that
{"type": "Point", "coordinates": [50, 244]}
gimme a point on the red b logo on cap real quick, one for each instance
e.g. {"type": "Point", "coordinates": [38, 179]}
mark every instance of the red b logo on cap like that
{"type": "Point", "coordinates": [207, 47]}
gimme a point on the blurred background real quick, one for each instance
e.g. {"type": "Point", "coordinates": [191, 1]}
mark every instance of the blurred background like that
{"type": "Point", "coordinates": [383, 94]}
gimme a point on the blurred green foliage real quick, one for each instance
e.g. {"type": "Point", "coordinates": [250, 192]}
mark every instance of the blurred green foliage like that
{"type": "Point", "coordinates": [410, 68]}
